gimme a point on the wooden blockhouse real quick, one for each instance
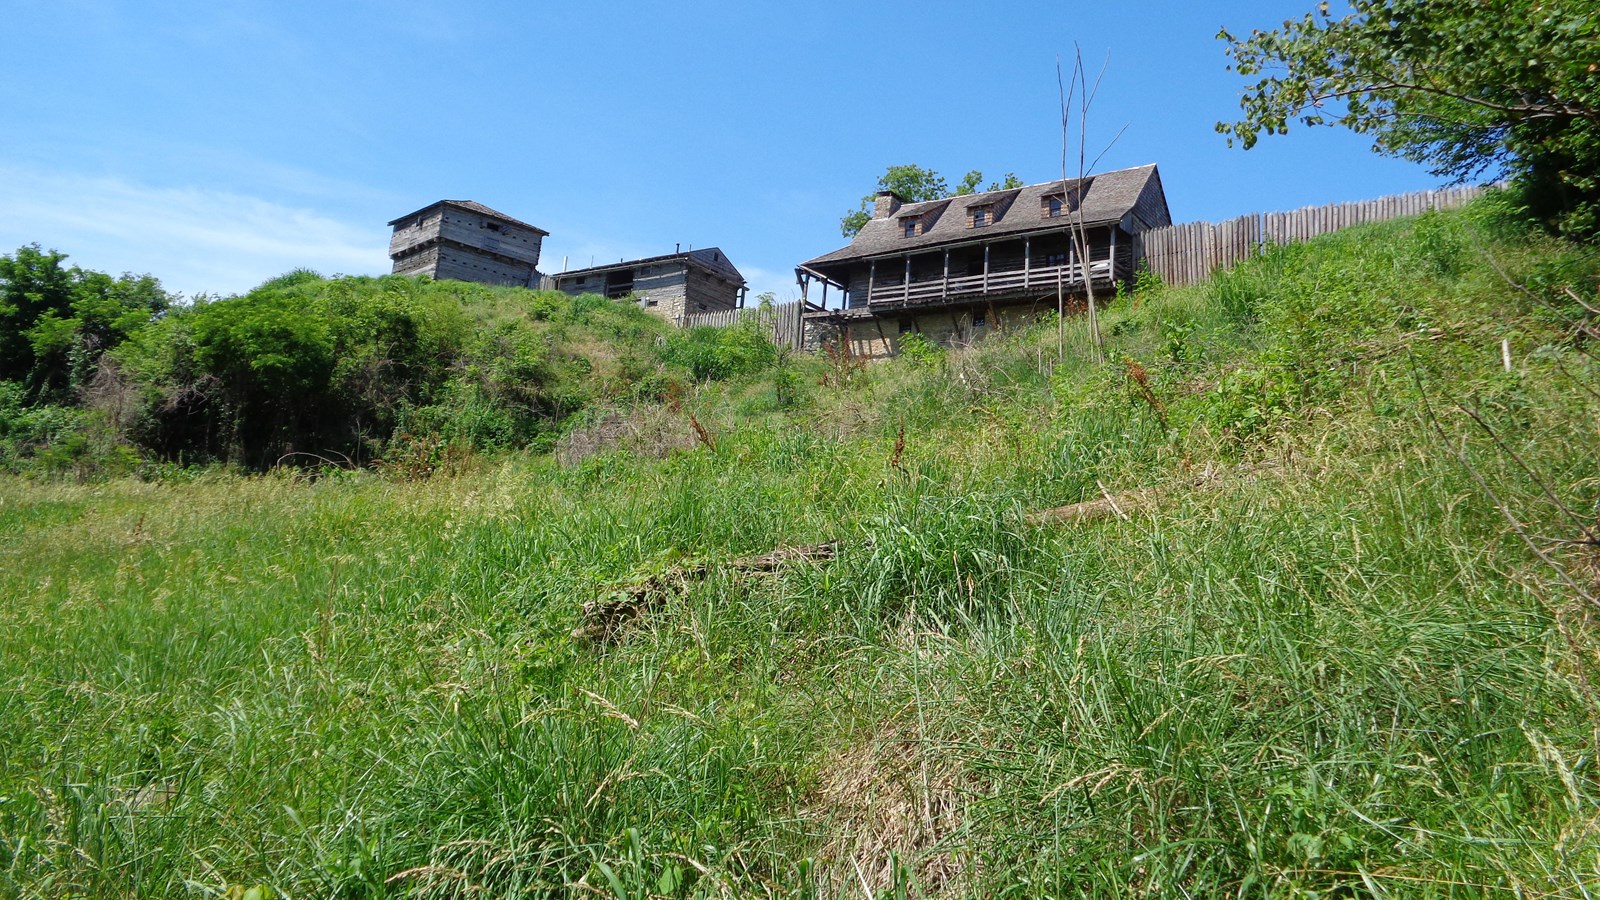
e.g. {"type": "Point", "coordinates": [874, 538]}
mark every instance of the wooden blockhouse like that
{"type": "Point", "coordinates": [466, 241]}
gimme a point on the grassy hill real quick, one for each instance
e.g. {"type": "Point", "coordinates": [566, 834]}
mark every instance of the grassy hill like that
{"type": "Point", "coordinates": [1333, 636]}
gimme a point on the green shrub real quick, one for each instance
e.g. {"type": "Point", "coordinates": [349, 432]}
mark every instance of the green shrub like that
{"type": "Point", "coordinates": [919, 352]}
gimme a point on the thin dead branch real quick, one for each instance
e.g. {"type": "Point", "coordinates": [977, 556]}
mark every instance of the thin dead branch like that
{"type": "Point", "coordinates": [1517, 526]}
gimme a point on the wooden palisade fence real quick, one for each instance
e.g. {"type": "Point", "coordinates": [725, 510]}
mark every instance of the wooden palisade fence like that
{"type": "Point", "coordinates": [1189, 253]}
{"type": "Point", "coordinates": [784, 321]}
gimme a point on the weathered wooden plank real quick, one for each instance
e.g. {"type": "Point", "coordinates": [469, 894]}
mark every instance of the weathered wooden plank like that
{"type": "Point", "coordinates": [1190, 252]}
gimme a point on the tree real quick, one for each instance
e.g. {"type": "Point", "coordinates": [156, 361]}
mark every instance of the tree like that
{"type": "Point", "coordinates": [915, 184]}
{"type": "Point", "coordinates": [969, 183]}
{"type": "Point", "coordinates": [1501, 87]}
{"type": "Point", "coordinates": [56, 321]}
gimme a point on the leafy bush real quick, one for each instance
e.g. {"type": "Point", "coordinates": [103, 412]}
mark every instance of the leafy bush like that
{"type": "Point", "coordinates": [713, 354]}
{"type": "Point", "coordinates": [919, 352]}
{"type": "Point", "coordinates": [56, 321]}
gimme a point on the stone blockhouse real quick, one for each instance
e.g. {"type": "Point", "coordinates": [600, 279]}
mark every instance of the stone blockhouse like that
{"type": "Point", "coordinates": [955, 269]}
{"type": "Point", "coordinates": [672, 286]}
{"type": "Point", "coordinates": [466, 241]}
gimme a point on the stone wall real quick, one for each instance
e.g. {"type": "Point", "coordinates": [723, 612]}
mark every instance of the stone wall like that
{"type": "Point", "coordinates": [880, 337]}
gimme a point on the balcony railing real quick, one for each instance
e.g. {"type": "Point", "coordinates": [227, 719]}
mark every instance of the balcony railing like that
{"type": "Point", "coordinates": [1070, 276]}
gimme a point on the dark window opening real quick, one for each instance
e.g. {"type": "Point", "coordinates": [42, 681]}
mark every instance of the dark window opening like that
{"type": "Point", "coordinates": [619, 283]}
{"type": "Point", "coordinates": [978, 321]}
{"type": "Point", "coordinates": [1053, 206]}
{"type": "Point", "coordinates": [908, 325]}
{"type": "Point", "coordinates": [1055, 259]}
{"type": "Point", "coordinates": [980, 216]}
{"type": "Point", "coordinates": [492, 226]}
{"type": "Point", "coordinates": [910, 227]}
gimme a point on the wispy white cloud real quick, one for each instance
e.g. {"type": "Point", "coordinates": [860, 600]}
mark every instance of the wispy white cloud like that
{"type": "Point", "coordinates": [194, 239]}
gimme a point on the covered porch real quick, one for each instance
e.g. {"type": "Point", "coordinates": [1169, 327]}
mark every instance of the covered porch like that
{"type": "Point", "coordinates": [1000, 269]}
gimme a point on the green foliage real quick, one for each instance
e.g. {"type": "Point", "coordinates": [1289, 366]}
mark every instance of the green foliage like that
{"type": "Point", "coordinates": [719, 353]}
{"type": "Point", "coordinates": [1330, 667]}
{"type": "Point", "coordinates": [56, 321]}
{"type": "Point", "coordinates": [916, 350]}
{"type": "Point", "coordinates": [915, 184]}
{"type": "Point", "coordinates": [56, 440]}
{"type": "Point", "coordinates": [1462, 88]}
{"type": "Point", "coordinates": [971, 182]}
{"type": "Point", "coordinates": [341, 368]}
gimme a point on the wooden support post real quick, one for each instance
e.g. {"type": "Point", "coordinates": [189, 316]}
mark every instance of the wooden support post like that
{"type": "Point", "coordinates": [805, 282]}
{"type": "Point", "coordinates": [1113, 255]}
{"type": "Point", "coordinates": [946, 290]}
{"type": "Point", "coordinates": [872, 277]}
{"type": "Point", "coordinates": [1027, 261]}
{"type": "Point", "coordinates": [986, 268]}
{"type": "Point", "coordinates": [824, 294]}
{"type": "Point", "coordinates": [905, 287]}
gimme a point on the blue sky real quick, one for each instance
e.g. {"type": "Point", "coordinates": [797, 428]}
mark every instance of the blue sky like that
{"type": "Point", "coordinates": [217, 144]}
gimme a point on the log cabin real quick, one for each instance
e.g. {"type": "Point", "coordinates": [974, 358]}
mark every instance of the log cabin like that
{"type": "Point", "coordinates": [958, 268]}
{"type": "Point", "coordinates": [466, 241]}
{"type": "Point", "coordinates": [672, 286]}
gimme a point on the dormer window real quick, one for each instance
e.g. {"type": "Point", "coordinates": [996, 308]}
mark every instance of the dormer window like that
{"type": "Point", "coordinates": [981, 216]}
{"type": "Point", "coordinates": [1059, 204]}
{"type": "Point", "coordinates": [909, 227]}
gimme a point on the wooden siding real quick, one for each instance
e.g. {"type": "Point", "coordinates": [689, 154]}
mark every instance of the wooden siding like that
{"type": "Point", "coordinates": [450, 242]}
{"type": "Point", "coordinates": [459, 264]}
{"type": "Point", "coordinates": [473, 230]}
{"type": "Point", "coordinates": [1189, 253]}
{"type": "Point", "coordinates": [423, 262]}
{"type": "Point", "coordinates": [1150, 210]}
{"type": "Point", "coordinates": [707, 293]}
{"type": "Point", "coordinates": [669, 289]}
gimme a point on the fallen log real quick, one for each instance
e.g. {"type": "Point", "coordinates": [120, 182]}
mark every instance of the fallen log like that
{"type": "Point", "coordinates": [1106, 505]}
{"type": "Point", "coordinates": [605, 618]}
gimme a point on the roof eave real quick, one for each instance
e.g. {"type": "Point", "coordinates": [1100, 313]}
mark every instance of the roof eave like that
{"type": "Point", "coordinates": [486, 211]}
{"type": "Point", "coordinates": [823, 260]}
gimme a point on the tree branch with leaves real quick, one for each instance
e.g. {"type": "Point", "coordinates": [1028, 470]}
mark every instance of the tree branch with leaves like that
{"type": "Point", "coordinates": [1508, 88]}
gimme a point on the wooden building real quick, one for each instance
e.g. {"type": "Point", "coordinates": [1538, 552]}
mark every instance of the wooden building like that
{"type": "Point", "coordinates": [672, 286]}
{"type": "Point", "coordinates": [466, 241]}
{"type": "Point", "coordinates": [955, 269]}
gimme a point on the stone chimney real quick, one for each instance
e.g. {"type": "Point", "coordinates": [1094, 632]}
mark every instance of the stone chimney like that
{"type": "Point", "coordinates": [887, 204]}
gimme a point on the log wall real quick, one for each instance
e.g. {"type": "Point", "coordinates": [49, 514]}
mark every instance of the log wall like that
{"type": "Point", "coordinates": [1189, 253]}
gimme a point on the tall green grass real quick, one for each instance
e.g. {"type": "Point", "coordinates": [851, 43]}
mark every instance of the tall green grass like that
{"type": "Point", "coordinates": [1337, 669]}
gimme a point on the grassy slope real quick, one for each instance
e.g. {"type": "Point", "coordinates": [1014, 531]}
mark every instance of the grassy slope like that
{"type": "Point", "coordinates": [1347, 674]}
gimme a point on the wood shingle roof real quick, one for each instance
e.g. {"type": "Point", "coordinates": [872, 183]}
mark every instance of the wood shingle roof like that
{"type": "Point", "coordinates": [476, 207]}
{"type": "Point", "coordinates": [1107, 198]}
{"type": "Point", "coordinates": [711, 259]}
